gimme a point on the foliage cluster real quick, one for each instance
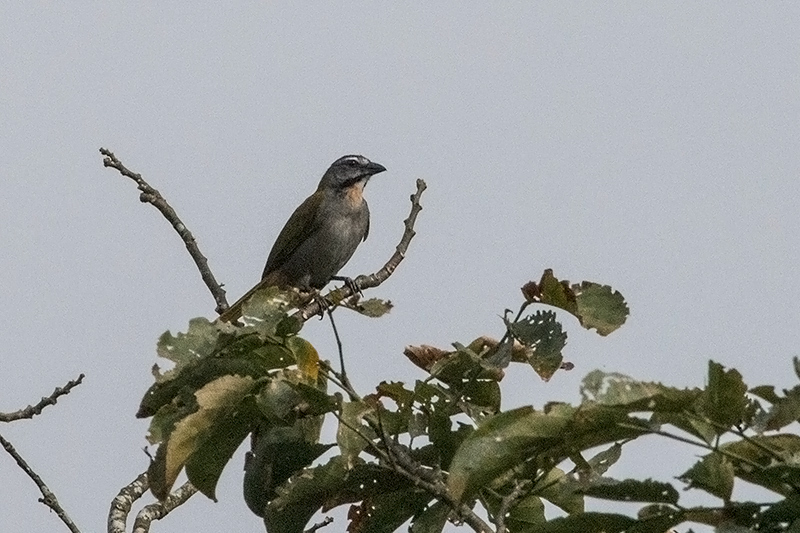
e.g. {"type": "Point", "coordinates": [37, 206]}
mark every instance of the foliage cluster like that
{"type": "Point", "coordinates": [442, 449]}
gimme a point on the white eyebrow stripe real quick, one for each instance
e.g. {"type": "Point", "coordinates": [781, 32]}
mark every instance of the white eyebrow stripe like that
{"type": "Point", "coordinates": [360, 159]}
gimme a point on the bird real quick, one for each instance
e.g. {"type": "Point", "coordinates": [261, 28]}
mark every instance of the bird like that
{"type": "Point", "coordinates": [321, 235]}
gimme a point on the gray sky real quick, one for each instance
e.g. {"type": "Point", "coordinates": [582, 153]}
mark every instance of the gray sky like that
{"type": "Point", "coordinates": [650, 147]}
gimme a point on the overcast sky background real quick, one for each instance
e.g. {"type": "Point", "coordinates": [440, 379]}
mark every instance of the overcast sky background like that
{"type": "Point", "coordinates": [651, 147]}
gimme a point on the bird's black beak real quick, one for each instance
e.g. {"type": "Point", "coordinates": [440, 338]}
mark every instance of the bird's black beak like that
{"type": "Point", "coordinates": [375, 168]}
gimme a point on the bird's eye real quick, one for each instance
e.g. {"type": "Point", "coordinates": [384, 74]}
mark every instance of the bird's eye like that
{"type": "Point", "coordinates": [352, 163]}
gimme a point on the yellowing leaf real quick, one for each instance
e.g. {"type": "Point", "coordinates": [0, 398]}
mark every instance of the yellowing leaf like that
{"type": "Point", "coordinates": [216, 399]}
{"type": "Point", "coordinates": [306, 356]}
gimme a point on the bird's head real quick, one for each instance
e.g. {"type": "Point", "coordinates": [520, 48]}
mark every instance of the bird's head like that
{"type": "Point", "coordinates": [348, 171]}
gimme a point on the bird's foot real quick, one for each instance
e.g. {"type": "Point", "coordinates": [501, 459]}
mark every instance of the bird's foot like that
{"type": "Point", "coordinates": [354, 288]}
{"type": "Point", "coordinates": [325, 305]}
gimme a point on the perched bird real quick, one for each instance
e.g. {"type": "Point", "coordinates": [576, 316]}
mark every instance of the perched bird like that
{"type": "Point", "coordinates": [322, 234]}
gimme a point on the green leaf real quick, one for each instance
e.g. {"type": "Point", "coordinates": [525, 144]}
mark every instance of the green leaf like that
{"type": "Point", "coordinates": [314, 401]}
{"type": "Point", "coordinates": [365, 480]}
{"type": "Point", "coordinates": [539, 330]}
{"type": "Point", "coordinates": [266, 309]}
{"type": "Point", "coordinates": [526, 516]}
{"type": "Point", "coordinates": [385, 512]}
{"type": "Point", "coordinates": [619, 390]}
{"type": "Point", "coordinates": [659, 522]}
{"type": "Point", "coordinates": [371, 307]}
{"type": "Point", "coordinates": [353, 436]}
{"type": "Point", "coordinates": [306, 356]}
{"type": "Point", "coordinates": [589, 523]}
{"type": "Point", "coordinates": [783, 412]}
{"type": "Point", "coordinates": [277, 401]}
{"type": "Point", "coordinates": [482, 396]}
{"type": "Point", "coordinates": [307, 492]}
{"type": "Point", "coordinates": [560, 490]}
{"type": "Point", "coordinates": [289, 326]}
{"type": "Point", "coordinates": [766, 392]}
{"type": "Point", "coordinates": [595, 306]}
{"type": "Point", "coordinates": [246, 355]}
{"type": "Point", "coordinates": [600, 307]}
{"type": "Point", "coordinates": [417, 425]}
{"type": "Point", "coordinates": [499, 443]}
{"type": "Point", "coordinates": [687, 422]}
{"type": "Point", "coordinates": [788, 474]}
{"type": "Point", "coordinates": [277, 453]}
{"type": "Point", "coordinates": [786, 510]}
{"type": "Point", "coordinates": [405, 419]}
{"type": "Point", "coordinates": [499, 356]}
{"type": "Point", "coordinates": [205, 465]}
{"type": "Point", "coordinates": [713, 473]}
{"type": "Point", "coordinates": [431, 520]}
{"type": "Point", "coordinates": [446, 441]}
{"type": "Point", "coordinates": [605, 459]}
{"type": "Point", "coordinates": [522, 517]}
{"type": "Point", "coordinates": [397, 391]}
{"type": "Point", "coordinates": [557, 293]}
{"type": "Point", "coordinates": [633, 490]}
{"type": "Point", "coordinates": [327, 486]}
{"type": "Point", "coordinates": [215, 401]}
{"type": "Point", "coordinates": [463, 365]}
{"type": "Point", "coordinates": [766, 451]}
{"type": "Point", "coordinates": [167, 416]}
{"type": "Point", "coordinates": [541, 333]}
{"type": "Point", "coordinates": [184, 348]}
{"type": "Point", "coordinates": [724, 401]}
{"type": "Point", "coordinates": [593, 425]}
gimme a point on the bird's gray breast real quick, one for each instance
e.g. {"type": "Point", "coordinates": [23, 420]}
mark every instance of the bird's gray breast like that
{"type": "Point", "coordinates": [341, 228]}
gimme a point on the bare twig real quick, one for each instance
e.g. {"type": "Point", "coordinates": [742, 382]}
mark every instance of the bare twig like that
{"type": "Point", "coordinates": [48, 498]}
{"type": "Point", "coordinates": [158, 510]}
{"type": "Point", "coordinates": [319, 525]}
{"type": "Point", "coordinates": [343, 375]}
{"type": "Point", "coordinates": [336, 378]}
{"type": "Point", "coordinates": [509, 501]}
{"type": "Point", "coordinates": [152, 196]}
{"type": "Point", "coordinates": [122, 503]}
{"type": "Point", "coordinates": [33, 410]}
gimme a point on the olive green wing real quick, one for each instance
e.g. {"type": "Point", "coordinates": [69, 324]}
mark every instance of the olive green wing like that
{"type": "Point", "coordinates": [303, 223]}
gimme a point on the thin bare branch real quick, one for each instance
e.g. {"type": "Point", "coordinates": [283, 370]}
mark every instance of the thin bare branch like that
{"type": "Point", "coordinates": [48, 498]}
{"type": "Point", "coordinates": [123, 502]}
{"type": "Point", "coordinates": [153, 197]}
{"type": "Point", "coordinates": [158, 510]}
{"type": "Point", "coordinates": [343, 374]}
{"type": "Point", "coordinates": [33, 410]}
